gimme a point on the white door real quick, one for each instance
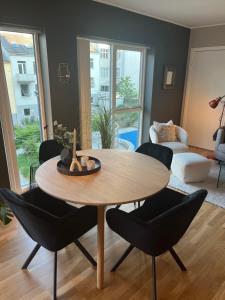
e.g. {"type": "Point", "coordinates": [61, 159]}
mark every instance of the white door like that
{"type": "Point", "coordinates": [206, 81]}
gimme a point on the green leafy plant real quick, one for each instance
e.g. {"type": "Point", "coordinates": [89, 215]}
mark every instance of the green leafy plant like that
{"type": "Point", "coordinates": [5, 213]}
{"type": "Point", "coordinates": [62, 135]}
{"type": "Point", "coordinates": [127, 90]}
{"type": "Point", "coordinates": [104, 124]}
{"type": "Point", "coordinates": [27, 143]}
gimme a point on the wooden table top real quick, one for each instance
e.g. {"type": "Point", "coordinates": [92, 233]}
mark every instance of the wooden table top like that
{"type": "Point", "coordinates": [124, 177]}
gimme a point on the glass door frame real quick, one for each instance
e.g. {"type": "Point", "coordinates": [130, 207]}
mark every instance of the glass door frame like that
{"type": "Point", "coordinates": [140, 107]}
{"type": "Point", "coordinates": [5, 110]}
{"type": "Point", "coordinates": [83, 57]}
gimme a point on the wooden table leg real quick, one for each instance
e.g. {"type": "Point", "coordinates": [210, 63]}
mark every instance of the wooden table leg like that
{"type": "Point", "coordinates": [100, 247]}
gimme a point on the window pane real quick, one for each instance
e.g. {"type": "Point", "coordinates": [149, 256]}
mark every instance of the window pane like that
{"type": "Point", "coordinates": [100, 86]}
{"type": "Point", "coordinates": [128, 71]}
{"type": "Point", "coordinates": [128, 130]}
{"type": "Point", "coordinates": [19, 63]}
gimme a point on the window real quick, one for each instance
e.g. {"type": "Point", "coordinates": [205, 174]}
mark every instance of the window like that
{"type": "Point", "coordinates": [105, 72]}
{"type": "Point", "coordinates": [36, 90]}
{"type": "Point", "coordinates": [25, 90]}
{"type": "Point", "coordinates": [26, 112]}
{"type": "Point", "coordinates": [92, 83]}
{"type": "Point", "coordinates": [104, 88]}
{"type": "Point", "coordinates": [91, 63]}
{"type": "Point", "coordinates": [34, 67]}
{"type": "Point", "coordinates": [118, 72]}
{"type": "Point", "coordinates": [22, 67]}
{"type": "Point", "coordinates": [104, 53]}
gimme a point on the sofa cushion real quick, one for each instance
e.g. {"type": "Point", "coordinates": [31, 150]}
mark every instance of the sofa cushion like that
{"type": "Point", "coordinates": [177, 147]}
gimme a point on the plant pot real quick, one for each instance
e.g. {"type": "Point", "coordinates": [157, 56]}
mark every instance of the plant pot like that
{"type": "Point", "coordinates": [66, 156]}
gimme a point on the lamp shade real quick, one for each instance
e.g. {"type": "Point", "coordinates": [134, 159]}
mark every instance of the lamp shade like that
{"type": "Point", "coordinates": [214, 103]}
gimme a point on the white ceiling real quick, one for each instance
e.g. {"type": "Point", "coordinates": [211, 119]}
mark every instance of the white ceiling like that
{"type": "Point", "coordinates": [188, 13]}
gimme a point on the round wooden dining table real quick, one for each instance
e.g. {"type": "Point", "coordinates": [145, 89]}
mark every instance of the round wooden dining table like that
{"type": "Point", "coordinates": [124, 177]}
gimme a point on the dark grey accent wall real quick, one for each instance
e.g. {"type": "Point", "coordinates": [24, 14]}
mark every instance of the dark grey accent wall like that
{"type": "Point", "coordinates": [63, 21]}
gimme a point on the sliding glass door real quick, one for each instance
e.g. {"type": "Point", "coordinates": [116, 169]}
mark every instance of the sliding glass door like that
{"type": "Point", "coordinates": [128, 95]}
{"type": "Point", "coordinates": [100, 85]}
{"type": "Point", "coordinates": [22, 108]}
{"type": "Point", "coordinates": [117, 83]}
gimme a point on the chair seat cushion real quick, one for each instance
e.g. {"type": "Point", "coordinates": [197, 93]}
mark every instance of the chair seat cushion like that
{"type": "Point", "coordinates": [190, 167]}
{"type": "Point", "coordinates": [177, 147]}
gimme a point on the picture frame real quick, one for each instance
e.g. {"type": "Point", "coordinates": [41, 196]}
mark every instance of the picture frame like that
{"type": "Point", "coordinates": [169, 77]}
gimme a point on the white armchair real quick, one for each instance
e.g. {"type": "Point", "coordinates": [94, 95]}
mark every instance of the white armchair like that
{"type": "Point", "coordinates": [180, 146]}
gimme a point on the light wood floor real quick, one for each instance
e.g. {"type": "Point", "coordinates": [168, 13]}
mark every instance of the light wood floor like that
{"type": "Point", "coordinates": [202, 250]}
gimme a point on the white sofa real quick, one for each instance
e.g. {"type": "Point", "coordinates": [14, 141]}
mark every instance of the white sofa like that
{"type": "Point", "coordinates": [179, 146]}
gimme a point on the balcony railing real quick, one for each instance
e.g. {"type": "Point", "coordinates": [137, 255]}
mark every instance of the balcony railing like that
{"type": "Point", "coordinates": [26, 77]}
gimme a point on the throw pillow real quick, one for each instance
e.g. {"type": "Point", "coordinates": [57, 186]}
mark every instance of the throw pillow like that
{"type": "Point", "coordinates": [167, 133]}
{"type": "Point", "coordinates": [158, 124]}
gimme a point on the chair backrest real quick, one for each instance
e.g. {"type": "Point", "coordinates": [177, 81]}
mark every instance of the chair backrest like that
{"type": "Point", "coordinates": [167, 229]}
{"type": "Point", "coordinates": [49, 149]}
{"type": "Point", "coordinates": [159, 152]}
{"type": "Point", "coordinates": [39, 224]}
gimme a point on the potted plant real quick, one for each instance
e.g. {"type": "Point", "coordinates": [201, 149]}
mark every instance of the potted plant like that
{"type": "Point", "coordinates": [104, 124]}
{"type": "Point", "coordinates": [64, 138]}
{"type": "Point", "coordinates": [5, 213]}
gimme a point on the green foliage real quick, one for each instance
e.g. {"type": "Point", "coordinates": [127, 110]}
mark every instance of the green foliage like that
{"type": "Point", "coordinates": [127, 90]}
{"type": "Point", "coordinates": [127, 119]}
{"type": "Point", "coordinates": [103, 123]}
{"type": "Point", "coordinates": [62, 135]}
{"type": "Point", "coordinates": [27, 141]}
{"type": "Point", "coordinates": [94, 122]}
{"type": "Point", "coordinates": [5, 213]}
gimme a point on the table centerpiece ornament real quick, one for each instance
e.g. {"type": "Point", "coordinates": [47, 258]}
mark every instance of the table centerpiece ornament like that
{"type": "Point", "coordinates": [72, 164]}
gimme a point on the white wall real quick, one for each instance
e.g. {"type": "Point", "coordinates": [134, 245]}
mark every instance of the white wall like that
{"type": "Point", "coordinates": [201, 90]}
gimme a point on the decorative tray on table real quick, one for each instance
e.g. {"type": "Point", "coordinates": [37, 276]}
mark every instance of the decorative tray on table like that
{"type": "Point", "coordinates": [82, 170]}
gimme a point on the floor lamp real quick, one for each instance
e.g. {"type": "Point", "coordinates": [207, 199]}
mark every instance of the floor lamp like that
{"type": "Point", "coordinates": [214, 103]}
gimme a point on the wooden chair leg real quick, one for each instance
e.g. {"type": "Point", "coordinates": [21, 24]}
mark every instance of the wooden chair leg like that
{"type": "Point", "coordinates": [55, 277]}
{"type": "Point", "coordinates": [154, 288]}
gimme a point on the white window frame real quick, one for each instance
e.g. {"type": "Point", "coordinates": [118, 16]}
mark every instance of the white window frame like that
{"type": "Point", "coordinates": [5, 111]}
{"type": "Point", "coordinates": [84, 81]}
{"type": "Point", "coordinates": [140, 107]}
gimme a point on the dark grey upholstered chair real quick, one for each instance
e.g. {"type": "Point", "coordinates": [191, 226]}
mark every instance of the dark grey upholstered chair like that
{"type": "Point", "coordinates": [48, 149]}
{"type": "Point", "coordinates": [159, 152]}
{"type": "Point", "coordinates": [157, 225]}
{"type": "Point", "coordinates": [220, 150]}
{"type": "Point", "coordinates": [51, 223]}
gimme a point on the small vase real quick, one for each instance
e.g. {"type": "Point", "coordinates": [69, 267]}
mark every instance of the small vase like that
{"type": "Point", "coordinates": [66, 156]}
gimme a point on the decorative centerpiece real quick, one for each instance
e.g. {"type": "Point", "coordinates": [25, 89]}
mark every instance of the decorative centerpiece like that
{"type": "Point", "coordinates": [74, 165]}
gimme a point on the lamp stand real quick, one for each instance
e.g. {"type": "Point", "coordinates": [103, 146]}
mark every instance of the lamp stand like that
{"type": "Point", "coordinates": [221, 116]}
